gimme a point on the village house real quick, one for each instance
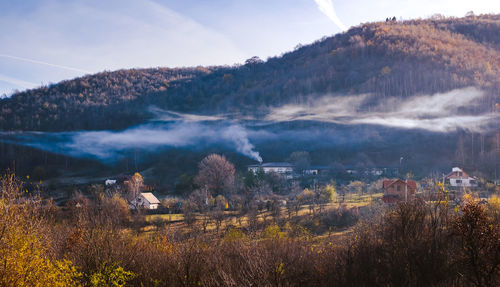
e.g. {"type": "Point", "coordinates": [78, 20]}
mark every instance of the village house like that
{"type": "Point", "coordinates": [459, 178]}
{"type": "Point", "coordinates": [110, 182]}
{"type": "Point", "coordinates": [373, 171]}
{"type": "Point", "coordinates": [396, 190]}
{"type": "Point", "coordinates": [145, 200]}
{"type": "Point", "coordinates": [277, 167]}
{"type": "Point", "coordinates": [283, 168]}
{"type": "Point", "coordinates": [316, 169]}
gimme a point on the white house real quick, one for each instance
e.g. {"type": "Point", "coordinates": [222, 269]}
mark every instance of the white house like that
{"type": "Point", "coordinates": [145, 200]}
{"type": "Point", "coordinates": [459, 178]}
{"type": "Point", "coordinates": [109, 182]}
{"type": "Point", "coordinates": [277, 167]}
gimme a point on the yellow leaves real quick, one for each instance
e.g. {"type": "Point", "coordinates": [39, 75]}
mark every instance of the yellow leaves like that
{"type": "Point", "coordinates": [111, 275]}
{"type": "Point", "coordinates": [23, 248]}
{"type": "Point", "coordinates": [234, 234]}
{"type": "Point", "coordinates": [494, 201]}
{"type": "Point", "coordinates": [330, 193]}
{"type": "Point", "coordinates": [468, 197]}
{"type": "Point", "coordinates": [137, 177]}
{"type": "Point", "coordinates": [28, 264]}
{"type": "Point", "coordinates": [280, 269]}
{"type": "Point", "coordinates": [272, 231]}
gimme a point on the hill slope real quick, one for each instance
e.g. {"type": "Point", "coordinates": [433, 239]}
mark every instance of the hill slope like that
{"type": "Point", "coordinates": [399, 59]}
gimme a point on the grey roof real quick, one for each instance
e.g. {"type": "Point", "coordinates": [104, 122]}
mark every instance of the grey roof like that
{"type": "Point", "coordinates": [272, 164]}
{"type": "Point", "coordinates": [320, 167]}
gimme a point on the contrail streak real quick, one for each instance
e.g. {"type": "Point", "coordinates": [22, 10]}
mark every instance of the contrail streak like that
{"type": "Point", "coordinates": [44, 63]}
{"type": "Point", "coordinates": [17, 82]}
{"type": "Point", "coordinates": [326, 6]}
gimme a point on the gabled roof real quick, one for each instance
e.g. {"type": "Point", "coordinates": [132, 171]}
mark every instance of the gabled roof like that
{"type": "Point", "coordinates": [150, 197]}
{"type": "Point", "coordinates": [388, 182]}
{"type": "Point", "coordinates": [455, 173]}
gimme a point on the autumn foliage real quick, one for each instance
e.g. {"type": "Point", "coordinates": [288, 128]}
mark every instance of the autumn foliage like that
{"type": "Point", "coordinates": [410, 244]}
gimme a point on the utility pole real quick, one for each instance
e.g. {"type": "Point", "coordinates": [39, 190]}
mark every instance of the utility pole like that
{"type": "Point", "coordinates": [406, 189]}
{"type": "Point", "coordinates": [472, 149]}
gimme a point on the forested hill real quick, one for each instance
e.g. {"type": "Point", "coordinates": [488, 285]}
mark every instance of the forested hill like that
{"type": "Point", "coordinates": [384, 59]}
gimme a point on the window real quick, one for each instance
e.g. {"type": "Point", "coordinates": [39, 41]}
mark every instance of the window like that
{"type": "Point", "coordinates": [399, 187]}
{"type": "Point", "coordinates": [458, 181]}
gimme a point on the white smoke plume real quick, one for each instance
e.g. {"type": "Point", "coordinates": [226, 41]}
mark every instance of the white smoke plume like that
{"type": "Point", "coordinates": [326, 7]}
{"type": "Point", "coordinates": [107, 145]}
{"type": "Point", "coordinates": [238, 135]}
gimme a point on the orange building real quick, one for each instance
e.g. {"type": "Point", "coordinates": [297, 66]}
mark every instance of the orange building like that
{"type": "Point", "coordinates": [399, 190]}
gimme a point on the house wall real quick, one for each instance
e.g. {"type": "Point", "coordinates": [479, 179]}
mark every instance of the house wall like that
{"type": "Point", "coordinates": [465, 182]}
{"type": "Point", "coordinates": [272, 169]}
{"type": "Point", "coordinates": [278, 169]}
{"type": "Point", "coordinates": [142, 202]}
{"type": "Point", "coordinates": [398, 189]}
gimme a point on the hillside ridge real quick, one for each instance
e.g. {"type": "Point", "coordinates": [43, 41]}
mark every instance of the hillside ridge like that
{"type": "Point", "coordinates": [383, 59]}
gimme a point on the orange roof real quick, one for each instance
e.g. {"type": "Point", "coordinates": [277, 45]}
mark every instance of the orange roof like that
{"type": "Point", "coordinates": [388, 182]}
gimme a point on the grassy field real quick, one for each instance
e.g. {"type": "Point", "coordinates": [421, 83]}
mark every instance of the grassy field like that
{"type": "Point", "coordinates": [176, 217]}
{"type": "Point", "coordinates": [233, 220]}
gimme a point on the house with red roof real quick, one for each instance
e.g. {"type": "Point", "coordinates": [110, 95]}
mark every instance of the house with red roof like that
{"type": "Point", "coordinates": [396, 190]}
{"type": "Point", "coordinates": [459, 178]}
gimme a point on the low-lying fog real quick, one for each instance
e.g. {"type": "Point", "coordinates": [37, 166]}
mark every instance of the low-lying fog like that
{"type": "Point", "coordinates": [438, 113]}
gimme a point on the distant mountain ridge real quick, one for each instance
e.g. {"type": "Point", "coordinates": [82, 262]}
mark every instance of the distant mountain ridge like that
{"type": "Point", "coordinates": [385, 59]}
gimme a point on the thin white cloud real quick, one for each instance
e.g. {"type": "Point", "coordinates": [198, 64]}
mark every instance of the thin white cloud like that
{"type": "Point", "coordinates": [43, 63]}
{"type": "Point", "coordinates": [326, 7]}
{"type": "Point", "coordinates": [81, 37]}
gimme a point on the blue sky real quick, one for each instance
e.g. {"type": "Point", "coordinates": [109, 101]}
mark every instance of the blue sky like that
{"type": "Point", "coordinates": [47, 41]}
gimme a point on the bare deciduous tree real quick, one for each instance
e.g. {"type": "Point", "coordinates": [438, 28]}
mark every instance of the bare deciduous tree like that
{"type": "Point", "coordinates": [216, 174]}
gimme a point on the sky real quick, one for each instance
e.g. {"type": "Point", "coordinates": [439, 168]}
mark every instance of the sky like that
{"type": "Point", "coordinates": [46, 41]}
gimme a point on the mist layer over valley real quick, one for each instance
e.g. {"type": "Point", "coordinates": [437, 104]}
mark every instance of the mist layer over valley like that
{"type": "Point", "coordinates": [335, 130]}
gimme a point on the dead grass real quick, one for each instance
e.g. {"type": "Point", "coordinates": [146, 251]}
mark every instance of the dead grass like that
{"type": "Point", "coordinates": [165, 217]}
{"type": "Point", "coordinates": [176, 221]}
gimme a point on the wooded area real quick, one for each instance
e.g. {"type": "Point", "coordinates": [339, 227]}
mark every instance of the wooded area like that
{"type": "Point", "coordinates": [385, 59]}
